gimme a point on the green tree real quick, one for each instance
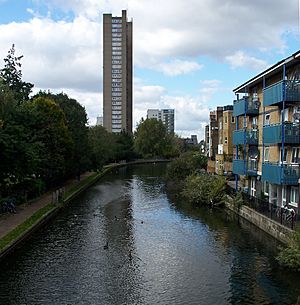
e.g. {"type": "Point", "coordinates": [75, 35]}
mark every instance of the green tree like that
{"type": "Point", "coordinates": [204, 190]}
{"type": "Point", "coordinates": [76, 120]}
{"type": "Point", "coordinates": [124, 146]}
{"type": "Point", "coordinates": [151, 138]}
{"type": "Point", "coordinates": [102, 146]}
{"type": "Point", "coordinates": [12, 76]}
{"type": "Point", "coordinates": [49, 129]}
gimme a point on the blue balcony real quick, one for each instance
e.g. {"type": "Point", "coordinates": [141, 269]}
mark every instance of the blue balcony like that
{"type": "Point", "coordinates": [238, 167]}
{"type": "Point", "coordinates": [285, 174]}
{"type": "Point", "coordinates": [246, 105]}
{"type": "Point", "coordinates": [287, 90]}
{"type": "Point", "coordinates": [247, 168]}
{"type": "Point", "coordinates": [273, 134]}
{"type": "Point", "coordinates": [245, 137]}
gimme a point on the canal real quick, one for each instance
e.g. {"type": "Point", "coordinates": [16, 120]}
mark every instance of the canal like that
{"type": "Point", "coordinates": [127, 241]}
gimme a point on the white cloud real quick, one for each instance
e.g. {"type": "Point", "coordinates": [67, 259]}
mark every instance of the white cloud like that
{"type": "Point", "coordinates": [57, 54]}
{"type": "Point", "coordinates": [191, 113]}
{"type": "Point", "coordinates": [177, 67]}
{"type": "Point", "coordinates": [239, 59]}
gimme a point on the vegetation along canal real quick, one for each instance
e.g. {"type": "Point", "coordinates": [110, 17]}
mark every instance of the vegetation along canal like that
{"type": "Point", "coordinates": [158, 251]}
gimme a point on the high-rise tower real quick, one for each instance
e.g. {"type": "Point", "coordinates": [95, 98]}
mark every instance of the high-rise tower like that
{"type": "Point", "coordinates": [117, 73]}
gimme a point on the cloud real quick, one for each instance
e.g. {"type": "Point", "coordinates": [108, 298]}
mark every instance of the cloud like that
{"type": "Point", "coordinates": [177, 67]}
{"type": "Point", "coordinates": [191, 113]}
{"type": "Point", "coordinates": [240, 60]}
{"type": "Point", "coordinates": [57, 54]}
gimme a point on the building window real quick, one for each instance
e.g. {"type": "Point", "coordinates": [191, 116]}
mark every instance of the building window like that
{"type": "Point", "coordinates": [283, 193]}
{"type": "Point", "coordinates": [266, 188]}
{"type": "Point", "coordinates": [294, 196]}
{"type": "Point", "coordinates": [267, 119]}
{"type": "Point", "coordinates": [116, 48]}
{"type": "Point", "coordinates": [116, 30]}
{"type": "Point", "coordinates": [116, 35]}
{"type": "Point", "coordinates": [116, 53]}
{"type": "Point", "coordinates": [232, 119]}
{"type": "Point", "coordinates": [225, 119]}
{"type": "Point", "coordinates": [253, 187]}
{"type": "Point", "coordinates": [225, 140]}
{"type": "Point", "coordinates": [295, 155]}
{"type": "Point", "coordinates": [284, 155]}
{"type": "Point", "coordinates": [116, 25]}
{"type": "Point", "coordinates": [116, 44]}
{"type": "Point", "coordinates": [117, 75]}
{"type": "Point", "coordinates": [116, 66]}
{"type": "Point", "coordinates": [266, 156]}
{"type": "Point", "coordinates": [116, 20]}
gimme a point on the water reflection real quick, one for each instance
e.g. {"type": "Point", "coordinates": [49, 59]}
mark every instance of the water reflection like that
{"type": "Point", "coordinates": [160, 251]}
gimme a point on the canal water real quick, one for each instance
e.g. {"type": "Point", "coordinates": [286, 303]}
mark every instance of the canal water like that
{"type": "Point", "coordinates": [127, 241]}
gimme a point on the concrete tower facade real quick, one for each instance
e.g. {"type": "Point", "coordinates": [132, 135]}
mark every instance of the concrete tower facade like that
{"type": "Point", "coordinates": [117, 73]}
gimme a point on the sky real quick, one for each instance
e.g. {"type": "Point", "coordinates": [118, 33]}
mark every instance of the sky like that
{"type": "Point", "coordinates": [188, 54]}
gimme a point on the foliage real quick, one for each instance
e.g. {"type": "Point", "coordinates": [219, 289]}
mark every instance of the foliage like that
{"type": "Point", "coordinates": [76, 121]}
{"type": "Point", "coordinates": [185, 165]}
{"type": "Point", "coordinates": [102, 144]}
{"type": "Point", "coordinates": [11, 75]}
{"type": "Point", "coordinates": [237, 201]}
{"type": "Point", "coordinates": [124, 147]}
{"type": "Point", "coordinates": [152, 140]}
{"type": "Point", "coordinates": [49, 130]}
{"type": "Point", "coordinates": [289, 257]}
{"type": "Point", "coordinates": [204, 189]}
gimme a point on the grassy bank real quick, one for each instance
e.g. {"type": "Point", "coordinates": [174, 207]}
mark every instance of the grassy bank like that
{"type": "Point", "coordinates": [25, 226]}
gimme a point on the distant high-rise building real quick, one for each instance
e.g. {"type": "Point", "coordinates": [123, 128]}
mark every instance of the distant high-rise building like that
{"type": "Point", "coordinates": [99, 121]}
{"type": "Point", "coordinates": [164, 115]}
{"type": "Point", "coordinates": [117, 73]}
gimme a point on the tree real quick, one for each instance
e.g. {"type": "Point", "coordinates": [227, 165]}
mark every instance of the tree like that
{"type": "Point", "coordinates": [102, 146]}
{"type": "Point", "coordinates": [124, 149]}
{"type": "Point", "coordinates": [49, 129]}
{"type": "Point", "coordinates": [76, 120]}
{"type": "Point", "coordinates": [151, 138]}
{"type": "Point", "coordinates": [12, 76]}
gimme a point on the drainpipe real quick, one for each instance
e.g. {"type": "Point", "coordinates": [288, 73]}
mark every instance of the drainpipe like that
{"type": "Point", "coordinates": [264, 114]}
{"type": "Point", "coordinates": [236, 147]}
{"type": "Point", "coordinates": [245, 130]}
{"type": "Point", "coordinates": [282, 121]}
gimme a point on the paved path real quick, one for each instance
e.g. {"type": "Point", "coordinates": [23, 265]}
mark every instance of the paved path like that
{"type": "Point", "coordinates": [10, 221]}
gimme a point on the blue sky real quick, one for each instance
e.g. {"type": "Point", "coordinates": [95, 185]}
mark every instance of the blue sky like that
{"type": "Point", "coordinates": [187, 57]}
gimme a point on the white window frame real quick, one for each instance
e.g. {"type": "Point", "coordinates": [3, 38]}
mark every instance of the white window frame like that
{"type": "Point", "coordinates": [266, 188]}
{"type": "Point", "coordinates": [253, 187]}
{"type": "Point", "coordinates": [295, 155]}
{"type": "Point", "coordinates": [284, 156]}
{"type": "Point", "coordinates": [267, 119]}
{"type": "Point", "coordinates": [294, 198]}
{"type": "Point", "coordinates": [283, 196]}
{"type": "Point", "coordinates": [266, 154]}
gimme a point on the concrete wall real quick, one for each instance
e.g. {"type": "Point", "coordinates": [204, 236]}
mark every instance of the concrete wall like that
{"type": "Point", "coordinates": [266, 224]}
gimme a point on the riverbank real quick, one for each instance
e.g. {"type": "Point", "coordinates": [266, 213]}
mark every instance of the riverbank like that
{"type": "Point", "coordinates": [16, 228]}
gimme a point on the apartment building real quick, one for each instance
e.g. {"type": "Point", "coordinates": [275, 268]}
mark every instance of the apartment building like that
{"type": "Point", "coordinates": [267, 135]}
{"type": "Point", "coordinates": [164, 115]}
{"type": "Point", "coordinates": [220, 149]}
{"type": "Point", "coordinates": [117, 73]}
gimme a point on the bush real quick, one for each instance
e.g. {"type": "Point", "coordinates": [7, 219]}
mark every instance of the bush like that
{"type": "Point", "coordinates": [204, 189]}
{"type": "Point", "coordinates": [289, 257]}
{"type": "Point", "coordinates": [185, 165]}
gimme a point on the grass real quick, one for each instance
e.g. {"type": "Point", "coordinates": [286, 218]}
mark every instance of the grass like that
{"type": "Point", "coordinates": [23, 227]}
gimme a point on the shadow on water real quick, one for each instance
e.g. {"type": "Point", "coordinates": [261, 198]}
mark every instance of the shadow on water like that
{"type": "Point", "coordinates": [255, 276]}
{"type": "Point", "coordinates": [127, 241]}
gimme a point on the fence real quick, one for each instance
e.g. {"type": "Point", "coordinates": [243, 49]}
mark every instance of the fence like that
{"type": "Point", "coordinates": [283, 215]}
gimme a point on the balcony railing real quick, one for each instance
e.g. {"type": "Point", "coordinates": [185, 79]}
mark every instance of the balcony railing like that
{"type": "Point", "coordinates": [287, 174]}
{"type": "Point", "coordinates": [243, 167]}
{"type": "Point", "coordinates": [273, 134]}
{"type": "Point", "coordinates": [285, 90]}
{"type": "Point", "coordinates": [252, 167]}
{"type": "Point", "coordinates": [246, 105]}
{"type": "Point", "coordinates": [245, 137]}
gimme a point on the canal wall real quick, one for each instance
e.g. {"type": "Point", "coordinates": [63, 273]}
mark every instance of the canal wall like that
{"type": "Point", "coordinates": [266, 224]}
{"type": "Point", "coordinates": [77, 190]}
